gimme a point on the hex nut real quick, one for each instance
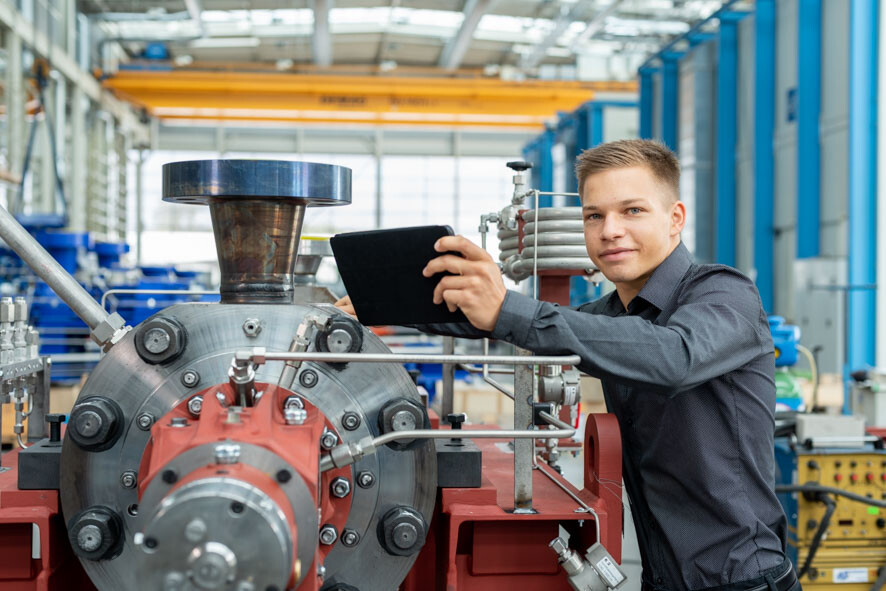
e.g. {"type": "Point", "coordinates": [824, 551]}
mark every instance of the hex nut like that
{"type": "Point", "coordinates": [145, 421]}
{"type": "Point", "coordinates": [308, 378]}
{"type": "Point", "coordinates": [128, 479]}
{"type": "Point", "coordinates": [195, 405]}
{"type": "Point", "coordinates": [350, 538]}
{"type": "Point", "coordinates": [293, 402]}
{"type": "Point", "coordinates": [328, 440]}
{"type": "Point", "coordinates": [328, 535]}
{"type": "Point", "coordinates": [365, 479]}
{"type": "Point", "coordinates": [96, 423]}
{"type": "Point", "coordinates": [252, 327]}
{"type": "Point", "coordinates": [160, 340]}
{"type": "Point", "coordinates": [402, 531]}
{"type": "Point", "coordinates": [393, 416]}
{"type": "Point", "coordinates": [351, 420]}
{"type": "Point", "coordinates": [95, 533]}
{"type": "Point", "coordinates": [340, 487]}
{"type": "Point", "coordinates": [190, 378]}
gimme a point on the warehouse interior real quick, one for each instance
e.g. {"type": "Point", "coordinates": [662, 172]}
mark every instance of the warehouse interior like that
{"type": "Point", "coordinates": [186, 405]}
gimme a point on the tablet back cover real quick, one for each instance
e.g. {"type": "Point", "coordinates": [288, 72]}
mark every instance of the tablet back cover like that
{"type": "Point", "coordinates": [381, 270]}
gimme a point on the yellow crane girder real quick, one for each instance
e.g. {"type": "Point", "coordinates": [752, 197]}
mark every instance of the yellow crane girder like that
{"type": "Point", "coordinates": [284, 97]}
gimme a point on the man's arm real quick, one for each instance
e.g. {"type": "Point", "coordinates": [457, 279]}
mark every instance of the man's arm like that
{"type": "Point", "coordinates": [714, 331]}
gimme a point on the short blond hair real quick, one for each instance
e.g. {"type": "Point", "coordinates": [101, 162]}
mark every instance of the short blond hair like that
{"type": "Point", "coordinates": [654, 155]}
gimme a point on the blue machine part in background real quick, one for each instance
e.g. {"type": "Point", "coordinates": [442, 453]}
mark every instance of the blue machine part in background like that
{"type": "Point", "coordinates": [785, 337]}
{"type": "Point", "coordinates": [109, 253]}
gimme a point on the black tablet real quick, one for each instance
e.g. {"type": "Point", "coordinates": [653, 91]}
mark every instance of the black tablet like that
{"type": "Point", "coordinates": [381, 270]}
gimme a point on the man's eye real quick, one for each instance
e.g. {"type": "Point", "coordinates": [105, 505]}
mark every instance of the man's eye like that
{"type": "Point", "coordinates": [592, 216]}
{"type": "Point", "coordinates": [635, 210]}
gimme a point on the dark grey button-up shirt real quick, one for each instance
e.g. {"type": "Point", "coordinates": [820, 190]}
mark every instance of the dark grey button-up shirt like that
{"type": "Point", "coordinates": [688, 369]}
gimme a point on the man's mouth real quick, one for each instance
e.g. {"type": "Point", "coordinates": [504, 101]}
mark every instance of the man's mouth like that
{"type": "Point", "coordinates": [615, 254]}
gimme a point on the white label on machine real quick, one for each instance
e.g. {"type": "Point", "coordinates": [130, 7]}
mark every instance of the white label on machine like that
{"type": "Point", "coordinates": [608, 571]}
{"type": "Point", "coordinates": [850, 575]}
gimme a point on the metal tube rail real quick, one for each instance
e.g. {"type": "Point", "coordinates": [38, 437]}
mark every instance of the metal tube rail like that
{"type": "Point", "coordinates": [106, 329]}
{"type": "Point", "coordinates": [260, 356]}
{"type": "Point", "coordinates": [348, 453]}
{"type": "Point", "coordinates": [104, 300]}
{"type": "Point", "coordinates": [472, 369]}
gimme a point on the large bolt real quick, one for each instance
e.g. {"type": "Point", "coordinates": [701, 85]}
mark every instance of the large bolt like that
{"type": "Point", "coordinates": [144, 421]}
{"type": "Point", "coordinates": [350, 538]}
{"type": "Point", "coordinates": [195, 405]}
{"type": "Point", "coordinates": [128, 479]}
{"type": "Point", "coordinates": [340, 487]}
{"type": "Point", "coordinates": [402, 531]}
{"type": "Point", "coordinates": [365, 479]}
{"type": "Point", "coordinates": [350, 420]}
{"type": "Point", "coordinates": [403, 421]}
{"type": "Point", "coordinates": [156, 340]}
{"type": "Point", "coordinates": [95, 533]}
{"type": "Point", "coordinates": [328, 535]}
{"type": "Point", "coordinates": [339, 341]}
{"type": "Point", "coordinates": [174, 581]}
{"type": "Point", "coordinates": [190, 378]}
{"type": "Point", "coordinates": [96, 423]}
{"type": "Point", "coordinates": [328, 440]}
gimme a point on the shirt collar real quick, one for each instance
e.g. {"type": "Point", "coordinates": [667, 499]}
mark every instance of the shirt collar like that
{"type": "Point", "coordinates": [666, 277]}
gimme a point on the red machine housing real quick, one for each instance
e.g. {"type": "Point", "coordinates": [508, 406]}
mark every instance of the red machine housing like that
{"type": "Point", "coordinates": [475, 541]}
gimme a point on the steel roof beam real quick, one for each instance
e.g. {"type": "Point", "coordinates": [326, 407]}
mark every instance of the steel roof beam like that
{"type": "Point", "coordinates": [321, 43]}
{"type": "Point", "coordinates": [457, 46]}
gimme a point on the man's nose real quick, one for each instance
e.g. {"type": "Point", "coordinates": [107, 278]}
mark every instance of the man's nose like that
{"type": "Point", "coordinates": [612, 228]}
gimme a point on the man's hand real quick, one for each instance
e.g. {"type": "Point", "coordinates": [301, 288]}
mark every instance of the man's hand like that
{"type": "Point", "coordinates": [476, 286]}
{"type": "Point", "coordinates": [346, 306]}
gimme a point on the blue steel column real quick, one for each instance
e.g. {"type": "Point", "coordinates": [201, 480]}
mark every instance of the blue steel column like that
{"type": "Point", "coordinates": [647, 100]}
{"type": "Point", "coordinates": [538, 152]}
{"type": "Point", "coordinates": [862, 184]}
{"type": "Point", "coordinates": [727, 124]}
{"type": "Point", "coordinates": [764, 160]}
{"type": "Point", "coordinates": [670, 94]}
{"type": "Point", "coordinates": [808, 112]}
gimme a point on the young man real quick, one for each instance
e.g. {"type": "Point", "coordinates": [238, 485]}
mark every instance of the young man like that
{"type": "Point", "coordinates": [686, 360]}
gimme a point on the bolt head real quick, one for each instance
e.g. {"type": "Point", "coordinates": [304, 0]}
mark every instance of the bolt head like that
{"type": "Point", "coordinates": [308, 378]}
{"type": "Point", "coordinates": [128, 479]}
{"type": "Point", "coordinates": [156, 340]}
{"type": "Point", "coordinates": [403, 421]}
{"type": "Point", "coordinates": [328, 440]}
{"type": "Point", "coordinates": [339, 341]}
{"type": "Point", "coordinates": [252, 327]}
{"type": "Point", "coordinates": [89, 538]}
{"type": "Point", "coordinates": [365, 479]}
{"type": "Point", "coordinates": [190, 378]}
{"type": "Point", "coordinates": [245, 586]}
{"type": "Point", "coordinates": [293, 402]}
{"type": "Point", "coordinates": [195, 530]}
{"type": "Point", "coordinates": [227, 453]}
{"type": "Point", "coordinates": [88, 423]}
{"type": "Point", "coordinates": [340, 488]}
{"type": "Point", "coordinates": [144, 421]}
{"type": "Point", "coordinates": [295, 416]}
{"type": "Point", "coordinates": [350, 420]}
{"type": "Point", "coordinates": [328, 535]}
{"type": "Point", "coordinates": [174, 581]}
{"type": "Point", "coordinates": [404, 535]}
{"type": "Point", "coordinates": [350, 538]}
{"type": "Point", "coordinates": [195, 405]}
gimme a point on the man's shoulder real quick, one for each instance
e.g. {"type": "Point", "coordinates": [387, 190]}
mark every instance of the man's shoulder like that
{"type": "Point", "coordinates": [596, 306]}
{"type": "Point", "coordinates": [715, 280]}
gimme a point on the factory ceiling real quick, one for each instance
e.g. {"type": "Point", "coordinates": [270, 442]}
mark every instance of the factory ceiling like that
{"type": "Point", "coordinates": [511, 39]}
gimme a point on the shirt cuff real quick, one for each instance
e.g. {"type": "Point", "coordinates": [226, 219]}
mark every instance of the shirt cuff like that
{"type": "Point", "coordinates": [515, 318]}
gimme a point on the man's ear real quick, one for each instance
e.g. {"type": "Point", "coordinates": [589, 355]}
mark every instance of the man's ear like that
{"type": "Point", "coordinates": [678, 218]}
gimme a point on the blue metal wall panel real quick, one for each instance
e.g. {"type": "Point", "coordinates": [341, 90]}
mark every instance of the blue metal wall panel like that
{"type": "Point", "coordinates": [670, 99]}
{"type": "Point", "coordinates": [862, 183]}
{"type": "Point", "coordinates": [808, 114]}
{"type": "Point", "coordinates": [727, 116]}
{"type": "Point", "coordinates": [647, 101]}
{"type": "Point", "coordinates": [764, 125]}
{"type": "Point", "coordinates": [538, 152]}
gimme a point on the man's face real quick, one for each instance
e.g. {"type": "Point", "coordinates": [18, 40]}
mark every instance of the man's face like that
{"type": "Point", "coordinates": [631, 223]}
